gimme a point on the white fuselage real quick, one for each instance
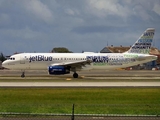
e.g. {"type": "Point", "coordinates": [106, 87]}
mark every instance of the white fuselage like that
{"type": "Point", "coordinates": [41, 61]}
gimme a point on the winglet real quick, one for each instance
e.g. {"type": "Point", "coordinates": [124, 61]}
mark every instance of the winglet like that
{"type": "Point", "coordinates": [143, 44]}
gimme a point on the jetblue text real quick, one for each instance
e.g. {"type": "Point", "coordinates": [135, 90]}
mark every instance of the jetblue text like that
{"type": "Point", "coordinates": [40, 58]}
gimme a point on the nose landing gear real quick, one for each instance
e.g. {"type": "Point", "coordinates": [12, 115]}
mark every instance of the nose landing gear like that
{"type": "Point", "coordinates": [23, 74]}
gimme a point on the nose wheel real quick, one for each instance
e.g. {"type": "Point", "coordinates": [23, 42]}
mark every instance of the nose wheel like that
{"type": "Point", "coordinates": [23, 74]}
{"type": "Point", "coordinates": [75, 75]}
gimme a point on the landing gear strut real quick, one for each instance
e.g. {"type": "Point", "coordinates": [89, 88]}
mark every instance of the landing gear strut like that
{"type": "Point", "coordinates": [75, 75]}
{"type": "Point", "coordinates": [23, 74]}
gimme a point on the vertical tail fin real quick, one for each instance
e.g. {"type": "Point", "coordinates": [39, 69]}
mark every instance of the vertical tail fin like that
{"type": "Point", "coordinates": [143, 44]}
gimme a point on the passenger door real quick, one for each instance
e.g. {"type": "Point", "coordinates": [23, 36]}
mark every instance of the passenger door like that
{"type": "Point", "coordinates": [22, 60]}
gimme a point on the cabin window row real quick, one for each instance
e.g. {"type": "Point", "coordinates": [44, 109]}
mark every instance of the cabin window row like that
{"type": "Point", "coordinates": [69, 59]}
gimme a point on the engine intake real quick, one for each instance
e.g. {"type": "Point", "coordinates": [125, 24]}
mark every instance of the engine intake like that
{"type": "Point", "coordinates": [58, 70]}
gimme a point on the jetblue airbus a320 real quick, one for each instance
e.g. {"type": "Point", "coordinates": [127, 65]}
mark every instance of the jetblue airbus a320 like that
{"type": "Point", "coordinates": [64, 63]}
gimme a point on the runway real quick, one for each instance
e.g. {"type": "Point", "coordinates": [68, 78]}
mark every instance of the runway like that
{"type": "Point", "coordinates": [79, 84]}
{"type": "Point", "coordinates": [87, 73]}
{"type": "Point", "coordinates": [94, 78]}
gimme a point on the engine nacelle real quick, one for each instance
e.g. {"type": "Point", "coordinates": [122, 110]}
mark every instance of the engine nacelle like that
{"type": "Point", "coordinates": [58, 70]}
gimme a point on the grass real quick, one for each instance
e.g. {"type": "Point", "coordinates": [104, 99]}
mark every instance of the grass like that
{"type": "Point", "coordinates": [87, 100]}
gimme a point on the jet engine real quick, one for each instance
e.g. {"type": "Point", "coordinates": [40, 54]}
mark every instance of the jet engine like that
{"type": "Point", "coordinates": [58, 70]}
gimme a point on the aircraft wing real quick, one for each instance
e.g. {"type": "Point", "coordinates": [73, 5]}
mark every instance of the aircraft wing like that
{"type": "Point", "coordinates": [77, 64]}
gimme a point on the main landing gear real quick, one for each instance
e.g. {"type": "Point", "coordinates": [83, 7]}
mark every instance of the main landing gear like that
{"type": "Point", "coordinates": [75, 75]}
{"type": "Point", "coordinates": [23, 74]}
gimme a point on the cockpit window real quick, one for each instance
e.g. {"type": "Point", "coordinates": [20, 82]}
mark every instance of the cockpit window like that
{"type": "Point", "coordinates": [11, 58]}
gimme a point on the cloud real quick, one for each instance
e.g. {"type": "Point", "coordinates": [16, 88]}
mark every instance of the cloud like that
{"type": "Point", "coordinates": [38, 9]}
{"type": "Point", "coordinates": [78, 25]}
{"type": "Point", "coordinates": [100, 29]}
{"type": "Point", "coordinates": [69, 11]}
{"type": "Point", "coordinates": [141, 12]}
{"type": "Point", "coordinates": [22, 34]}
{"type": "Point", "coordinates": [156, 9]}
{"type": "Point", "coordinates": [103, 8]}
{"type": "Point", "coordinates": [4, 19]}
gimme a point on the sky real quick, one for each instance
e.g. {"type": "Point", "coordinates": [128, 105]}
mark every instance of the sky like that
{"type": "Point", "coordinates": [79, 25]}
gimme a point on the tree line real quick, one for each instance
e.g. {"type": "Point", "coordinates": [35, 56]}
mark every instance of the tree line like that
{"type": "Point", "coordinates": [2, 57]}
{"type": "Point", "coordinates": [60, 50]}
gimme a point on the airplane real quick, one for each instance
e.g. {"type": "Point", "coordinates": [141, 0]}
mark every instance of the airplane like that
{"type": "Point", "coordinates": [64, 63]}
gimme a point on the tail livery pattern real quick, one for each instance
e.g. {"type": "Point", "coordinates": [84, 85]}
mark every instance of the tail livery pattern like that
{"type": "Point", "coordinates": [143, 44]}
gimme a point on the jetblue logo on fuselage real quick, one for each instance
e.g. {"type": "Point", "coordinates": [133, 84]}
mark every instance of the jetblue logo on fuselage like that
{"type": "Point", "coordinates": [40, 58]}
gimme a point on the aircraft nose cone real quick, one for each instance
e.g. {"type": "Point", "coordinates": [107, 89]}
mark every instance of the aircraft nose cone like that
{"type": "Point", "coordinates": [5, 64]}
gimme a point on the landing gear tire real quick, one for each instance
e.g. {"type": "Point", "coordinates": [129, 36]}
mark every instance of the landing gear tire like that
{"type": "Point", "coordinates": [23, 75]}
{"type": "Point", "coordinates": [75, 75]}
